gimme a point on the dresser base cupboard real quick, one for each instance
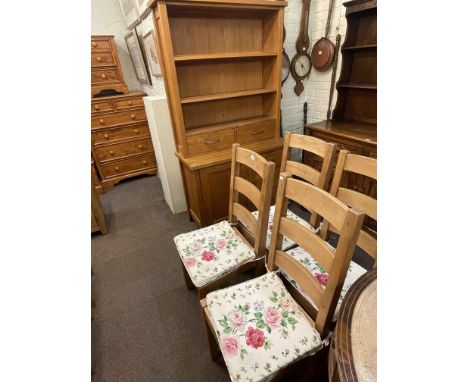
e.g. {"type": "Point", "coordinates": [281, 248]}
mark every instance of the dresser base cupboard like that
{"type": "Point", "coordinates": [221, 64]}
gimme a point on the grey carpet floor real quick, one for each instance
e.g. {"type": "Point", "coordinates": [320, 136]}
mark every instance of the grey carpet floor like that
{"type": "Point", "coordinates": [148, 326]}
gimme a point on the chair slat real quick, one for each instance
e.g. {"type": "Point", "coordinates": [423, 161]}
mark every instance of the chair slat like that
{"type": "Point", "coordinates": [303, 171]}
{"type": "Point", "coordinates": [245, 216]}
{"type": "Point", "coordinates": [368, 243]}
{"type": "Point", "coordinates": [248, 189]}
{"type": "Point", "coordinates": [300, 274]}
{"type": "Point", "coordinates": [311, 144]}
{"type": "Point", "coordinates": [308, 240]}
{"type": "Point", "coordinates": [252, 160]}
{"type": "Point", "coordinates": [361, 165]}
{"type": "Point", "coordinates": [359, 201]}
{"type": "Point", "coordinates": [317, 200]}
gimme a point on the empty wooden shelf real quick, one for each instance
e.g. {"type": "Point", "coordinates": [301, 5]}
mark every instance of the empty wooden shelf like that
{"type": "Point", "coordinates": [221, 63]}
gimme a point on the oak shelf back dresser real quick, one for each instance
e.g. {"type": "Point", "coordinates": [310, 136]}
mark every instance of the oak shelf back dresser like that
{"type": "Point", "coordinates": [121, 141]}
{"type": "Point", "coordinates": [221, 63]}
{"type": "Point", "coordinates": [353, 126]}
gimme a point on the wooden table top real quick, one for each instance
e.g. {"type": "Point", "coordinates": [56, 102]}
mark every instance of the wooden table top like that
{"type": "Point", "coordinates": [360, 131]}
{"type": "Point", "coordinates": [355, 335]}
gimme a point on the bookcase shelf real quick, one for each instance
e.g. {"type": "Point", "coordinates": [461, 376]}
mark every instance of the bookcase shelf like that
{"type": "Point", "coordinates": [221, 56]}
{"type": "Point", "coordinates": [214, 97]}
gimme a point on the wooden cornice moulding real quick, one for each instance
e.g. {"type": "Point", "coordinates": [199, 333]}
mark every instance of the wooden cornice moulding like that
{"type": "Point", "coordinates": [268, 3]}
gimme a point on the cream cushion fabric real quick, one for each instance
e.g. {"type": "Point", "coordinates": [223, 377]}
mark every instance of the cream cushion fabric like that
{"type": "Point", "coordinates": [354, 272]}
{"type": "Point", "coordinates": [260, 328]}
{"type": "Point", "coordinates": [210, 252]}
{"type": "Point", "coordinates": [287, 243]}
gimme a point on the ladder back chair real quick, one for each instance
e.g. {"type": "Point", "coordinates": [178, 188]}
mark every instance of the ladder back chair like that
{"type": "Point", "coordinates": [367, 239]}
{"type": "Point", "coordinates": [318, 147]}
{"type": "Point", "coordinates": [261, 330]}
{"type": "Point", "coordinates": [213, 255]}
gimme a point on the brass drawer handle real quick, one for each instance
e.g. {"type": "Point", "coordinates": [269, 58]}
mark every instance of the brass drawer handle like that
{"type": "Point", "coordinates": [132, 116]}
{"type": "Point", "coordinates": [129, 102]}
{"type": "Point", "coordinates": [257, 132]}
{"type": "Point", "coordinates": [116, 168]}
{"type": "Point", "coordinates": [135, 131]}
{"type": "Point", "coordinates": [211, 142]}
{"type": "Point", "coordinates": [98, 58]}
{"type": "Point", "coordinates": [101, 121]}
{"type": "Point", "coordinates": [97, 107]}
{"type": "Point", "coordinates": [106, 136]}
{"type": "Point", "coordinates": [145, 162]}
{"type": "Point", "coordinates": [111, 152]}
{"type": "Point", "coordinates": [140, 147]}
{"type": "Point", "coordinates": [94, 44]}
{"type": "Point", "coordinates": [103, 75]}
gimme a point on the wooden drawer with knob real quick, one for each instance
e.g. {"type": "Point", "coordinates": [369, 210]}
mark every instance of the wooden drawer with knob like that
{"type": "Point", "coordinates": [102, 59]}
{"type": "Point", "coordinates": [104, 76]}
{"type": "Point", "coordinates": [118, 118]}
{"type": "Point", "coordinates": [203, 143]}
{"type": "Point", "coordinates": [106, 136]}
{"type": "Point", "coordinates": [258, 131]}
{"type": "Point", "coordinates": [128, 165]}
{"type": "Point", "coordinates": [97, 107]}
{"type": "Point", "coordinates": [123, 149]}
{"type": "Point", "coordinates": [128, 103]}
{"type": "Point", "coordinates": [98, 44]}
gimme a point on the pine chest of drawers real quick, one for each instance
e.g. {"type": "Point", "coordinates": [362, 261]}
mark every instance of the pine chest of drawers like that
{"type": "Point", "coordinates": [120, 137]}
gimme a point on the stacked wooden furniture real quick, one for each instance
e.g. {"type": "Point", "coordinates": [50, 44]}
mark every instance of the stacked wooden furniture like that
{"type": "Point", "coordinates": [121, 140]}
{"type": "Point", "coordinates": [354, 123]}
{"type": "Point", "coordinates": [221, 63]}
{"type": "Point", "coordinates": [106, 72]}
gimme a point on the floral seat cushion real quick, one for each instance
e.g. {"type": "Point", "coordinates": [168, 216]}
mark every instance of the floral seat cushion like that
{"type": "Point", "coordinates": [260, 328]}
{"type": "Point", "coordinates": [210, 252]}
{"type": "Point", "coordinates": [287, 243]}
{"type": "Point", "coordinates": [354, 272]}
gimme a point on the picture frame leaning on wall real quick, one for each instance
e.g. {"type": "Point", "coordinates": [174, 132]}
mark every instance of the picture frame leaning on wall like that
{"type": "Point", "coordinates": [151, 54]}
{"type": "Point", "coordinates": [136, 56]}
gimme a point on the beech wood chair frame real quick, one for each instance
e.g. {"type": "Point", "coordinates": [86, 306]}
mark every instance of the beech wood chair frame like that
{"type": "Point", "coordinates": [322, 149]}
{"type": "Point", "coordinates": [360, 165]}
{"type": "Point", "coordinates": [348, 222]}
{"type": "Point", "coordinates": [253, 231]}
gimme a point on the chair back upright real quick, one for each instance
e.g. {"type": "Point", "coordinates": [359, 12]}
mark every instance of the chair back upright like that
{"type": "Point", "coordinates": [320, 148]}
{"type": "Point", "coordinates": [360, 165]}
{"type": "Point", "coordinates": [334, 261]}
{"type": "Point", "coordinates": [261, 198]}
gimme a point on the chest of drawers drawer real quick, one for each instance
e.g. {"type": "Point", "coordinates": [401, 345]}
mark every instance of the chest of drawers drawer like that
{"type": "Point", "coordinates": [256, 131]}
{"type": "Point", "coordinates": [104, 76]}
{"type": "Point", "coordinates": [128, 103]}
{"type": "Point", "coordinates": [118, 118]}
{"type": "Point", "coordinates": [101, 106]}
{"type": "Point", "coordinates": [134, 164]}
{"type": "Point", "coordinates": [123, 149]}
{"type": "Point", "coordinates": [203, 143]}
{"type": "Point", "coordinates": [105, 136]}
{"type": "Point", "coordinates": [101, 43]}
{"type": "Point", "coordinates": [102, 59]}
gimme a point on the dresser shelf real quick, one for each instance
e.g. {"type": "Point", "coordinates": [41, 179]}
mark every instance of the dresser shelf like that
{"type": "Point", "coordinates": [358, 86]}
{"type": "Point", "coordinates": [221, 56]}
{"type": "Point", "coordinates": [360, 47]}
{"type": "Point", "coordinates": [219, 96]}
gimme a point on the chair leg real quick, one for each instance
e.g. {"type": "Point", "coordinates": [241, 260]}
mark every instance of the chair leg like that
{"type": "Point", "coordinates": [188, 281]}
{"type": "Point", "coordinates": [212, 343]}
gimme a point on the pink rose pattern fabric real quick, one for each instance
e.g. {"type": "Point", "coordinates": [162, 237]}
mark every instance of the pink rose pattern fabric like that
{"type": "Point", "coordinates": [260, 328]}
{"type": "Point", "coordinates": [210, 252]}
{"type": "Point", "coordinates": [287, 243]}
{"type": "Point", "coordinates": [354, 272]}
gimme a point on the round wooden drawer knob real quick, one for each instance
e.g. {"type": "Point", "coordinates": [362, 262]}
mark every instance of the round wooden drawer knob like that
{"type": "Point", "coordinates": [111, 152]}
{"type": "Point", "coordinates": [116, 168]}
{"type": "Point", "coordinates": [129, 102]}
{"type": "Point", "coordinates": [97, 107]}
{"type": "Point", "coordinates": [135, 131]}
{"type": "Point", "coordinates": [103, 75]}
{"type": "Point", "coordinates": [140, 146]}
{"type": "Point", "coordinates": [101, 121]}
{"type": "Point", "coordinates": [94, 44]}
{"type": "Point", "coordinates": [132, 116]}
{"type": "Point", "coordinates": [98, 58]}
{"type": "Point", "coordinates": [106, 136]}
{"type": "Point", "coordinates": [145, 162]}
